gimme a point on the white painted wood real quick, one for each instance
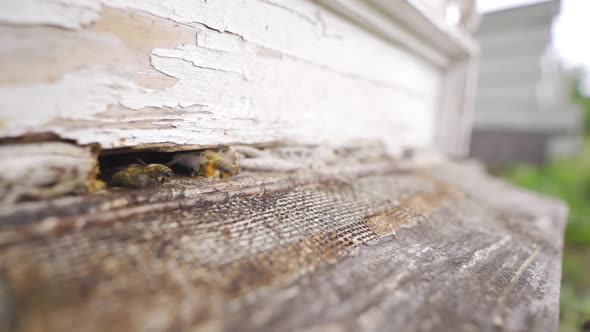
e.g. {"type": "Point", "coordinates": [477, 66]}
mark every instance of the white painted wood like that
{"type": "Point", "coordinates": [453, 122]}
{"type": "Point", "coordinates": [43, 170]}
{"type": "Point", "coordinates": [431, 27]}
{"type": "Point", "coordinates": [184, 74]}
{"type": "Point", "coordinates": [381, 24]}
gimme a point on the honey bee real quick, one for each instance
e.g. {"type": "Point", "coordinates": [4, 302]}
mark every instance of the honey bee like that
{"type": "Point", "coordinates": [134, 176]}
{"type": "Point", "coordinates": [208, 163]}
{"type": "Point", "coordinates": [140, 176]}
{"type": "Point", "coordinates": [214, 163]}
{"type": "Point", "coordinates": [158, 172]}
{"type": "Point", "coordinates": [95, 185]}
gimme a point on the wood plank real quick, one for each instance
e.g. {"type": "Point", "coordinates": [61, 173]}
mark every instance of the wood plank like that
{"type": "Point", "coordinates": [363, 246]}
{"type": "Point", "coordinates": [208, 73]}
{"type": "Point", "coordinates": [43, 170]}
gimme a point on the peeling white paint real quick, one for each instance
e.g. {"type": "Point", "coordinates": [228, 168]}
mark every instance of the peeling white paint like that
{"type": "Point", "coordinates": [81, 94]}
{"type": "Point", "coordinates": [285, 70]}
{"type": "Point", "coordinates": [279, 28]}
{"type": "Point", "coordinates": [69, 14]}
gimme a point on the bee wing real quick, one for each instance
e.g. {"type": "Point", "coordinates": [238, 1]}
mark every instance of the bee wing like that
{"type": "Point", "coordinates": [185, 159]}
{"type": "Point", "coordinates": [176, 158]}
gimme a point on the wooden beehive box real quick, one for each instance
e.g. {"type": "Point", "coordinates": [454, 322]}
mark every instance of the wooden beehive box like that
{"type": "Point", "coordinates": [338, 220]}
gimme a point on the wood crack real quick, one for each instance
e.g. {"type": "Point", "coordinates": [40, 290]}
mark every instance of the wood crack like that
{"type": "Point", "coordinates": [497, 318]}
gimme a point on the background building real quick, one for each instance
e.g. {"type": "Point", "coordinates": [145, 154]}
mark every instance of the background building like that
{"type": "Point", "coordinates": [523, 111]}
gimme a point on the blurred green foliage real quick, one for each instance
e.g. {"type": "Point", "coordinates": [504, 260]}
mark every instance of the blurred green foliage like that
{"type": "Point", "coordinates": [569, 180]}
{"type": "Point", "coordinates": [582, 101]}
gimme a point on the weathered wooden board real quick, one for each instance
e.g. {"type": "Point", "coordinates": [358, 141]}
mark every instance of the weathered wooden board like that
{"type": "Point", "coordinates": [184, 74]}
{"type": "Point", "coordinates": [367, 246]}
{"type": "Point", "coordinates": [44, 170]}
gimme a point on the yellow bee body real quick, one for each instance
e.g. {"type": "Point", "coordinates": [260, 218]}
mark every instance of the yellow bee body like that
{"type": "Point", "coordinates": [216, 164]}
{"type": "Point", "coordinates": [140, 176]}
{"type": "Point", "coordinates": [208, 163]}
{"type": "Point", "coordinates": [133, 176]}
{"type": "Point", "coordinates": [160, 173]}
{"type": "Point", "coordinates": [95, 185]}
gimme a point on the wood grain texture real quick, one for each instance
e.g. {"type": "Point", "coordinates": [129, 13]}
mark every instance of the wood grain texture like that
{"type": "Point", "coordinates": [38, 171]}
{"type": "Point", "coordinates": [370, 247]}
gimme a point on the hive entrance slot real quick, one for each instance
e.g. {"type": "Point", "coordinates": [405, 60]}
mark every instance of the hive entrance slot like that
{"type": "Point", "coordinates": [141, 169]}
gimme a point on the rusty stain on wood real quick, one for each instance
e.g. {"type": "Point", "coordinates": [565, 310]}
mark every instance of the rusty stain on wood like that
{"type": "Point", "coordinates": [414, 207]}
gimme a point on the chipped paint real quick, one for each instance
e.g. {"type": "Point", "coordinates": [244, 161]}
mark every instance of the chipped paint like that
{"type": "Point", "coordinates": [69, 14]}
{"type": "Point", "coordinates": [298, 73]}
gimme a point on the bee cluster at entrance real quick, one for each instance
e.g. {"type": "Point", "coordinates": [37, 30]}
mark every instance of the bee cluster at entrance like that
{"type": "Point", "coordinates": [154, 169]}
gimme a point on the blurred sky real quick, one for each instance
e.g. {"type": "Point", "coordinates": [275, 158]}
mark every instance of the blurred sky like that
{"type": "Point", "coordinates": [570, 29]}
